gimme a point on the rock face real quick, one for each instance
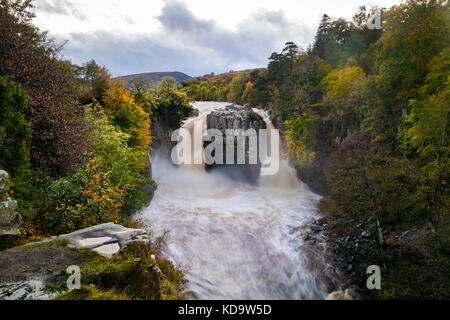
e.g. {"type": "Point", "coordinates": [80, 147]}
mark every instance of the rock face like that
{"type": "Point", "coordinates": [195, 112]}
{"type": "Point", "coordinates": [237, 117]}
{"type": "Point", "coordinates": [10, 220]}
{"type": "Point", "coordinates": [275, 119]}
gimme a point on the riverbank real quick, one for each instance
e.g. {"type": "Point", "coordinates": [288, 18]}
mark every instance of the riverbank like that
{"type": "Point", "coordinates": [411, 265]}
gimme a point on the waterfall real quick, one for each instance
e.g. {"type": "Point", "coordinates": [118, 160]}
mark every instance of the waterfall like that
{"type": "Point", "coordinates": [286, 178]}
{"type": "Point", "coordinates": [236, 240]}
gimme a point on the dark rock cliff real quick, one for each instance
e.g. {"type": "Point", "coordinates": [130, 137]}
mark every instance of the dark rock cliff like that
{"type": "Point", "coordinates": [235, 117]}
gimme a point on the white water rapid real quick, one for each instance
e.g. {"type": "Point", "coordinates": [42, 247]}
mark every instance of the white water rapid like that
{"type": "Point", "coordinates": [238, 241]}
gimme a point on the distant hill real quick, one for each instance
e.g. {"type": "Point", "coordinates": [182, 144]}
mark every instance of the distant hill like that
{"type": "Point", "coordinates": [223, 78]}
{"type": "Point", "coordinates": [158, 76]}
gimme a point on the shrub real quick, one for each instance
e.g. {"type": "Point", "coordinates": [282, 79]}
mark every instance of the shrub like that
{"type": "Point", "coordinates": [136, 273]}
{"type": "Point", "coordinates": [91, 200]}
{"type": "Point", "coordinates": [127, 164]}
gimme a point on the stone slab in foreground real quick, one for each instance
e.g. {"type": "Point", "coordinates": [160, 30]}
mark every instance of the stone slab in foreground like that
{"type": "Point", "coordinates": [106, 239]}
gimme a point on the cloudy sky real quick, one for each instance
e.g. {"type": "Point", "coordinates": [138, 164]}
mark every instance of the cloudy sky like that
{"type": "Point", "coordinates": [192, 36]}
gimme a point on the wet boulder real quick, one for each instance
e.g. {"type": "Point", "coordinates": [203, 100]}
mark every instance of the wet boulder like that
{"type": "Point", "coordinates": [10, 219]}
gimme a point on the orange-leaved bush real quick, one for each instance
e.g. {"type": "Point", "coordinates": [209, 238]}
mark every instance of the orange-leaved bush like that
{"type": "Point", "coordinates": [102, 201]}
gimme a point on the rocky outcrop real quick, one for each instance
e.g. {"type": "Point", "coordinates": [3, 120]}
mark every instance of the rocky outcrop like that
{"type": "Point", "coordinates": [106, 239]}
{"type": "Point", "coordinates": [162, 134]}
{"type": "Point", "coordinates": [237, 117]}
{"type": "Point", "coordinates": [24, 271]}
{"type": "Point", "coordinates": [27, 290]}
{"type": "Point", "coordinates": [195, 113]}
{"type": "Point", "coordinates": [10, 219]}
{"type": "Point", "coordinates": [353, 251]}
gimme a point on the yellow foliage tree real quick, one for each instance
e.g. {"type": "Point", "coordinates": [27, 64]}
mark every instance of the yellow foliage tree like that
{"type": "Point", "coordinates": [102, 201]}
{"type": "Point", "coordinates": [121, 107]}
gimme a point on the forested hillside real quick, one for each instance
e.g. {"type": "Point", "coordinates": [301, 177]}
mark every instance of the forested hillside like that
{"type": "Point", "coordinates": [74, 141]}
{"type": "Point", "coordinates": [364, 116]}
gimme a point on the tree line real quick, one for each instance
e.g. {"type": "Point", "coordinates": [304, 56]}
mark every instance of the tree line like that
{"type": "Point", "coordinates": [366, 109]}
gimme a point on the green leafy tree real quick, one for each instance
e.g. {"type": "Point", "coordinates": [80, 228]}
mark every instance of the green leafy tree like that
{"type": "Point", "coordinates": [407, 46]}
{"type": "Point", "coordinates": [166, 86]}
{"type": "Point", "coordinates": [428, 134]}
{"type": "Point", "coordinates": [173, 106]}
{"type": "Point", "coordinates": [237, 88]}
{"type": "Point", "coordinates": [301, 139]}
{"type": "Point", "coordinates": [15, 131]}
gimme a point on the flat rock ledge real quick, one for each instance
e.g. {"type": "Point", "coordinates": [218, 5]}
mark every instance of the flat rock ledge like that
{"type": "Point", "coordinates": [106, 239]}
{"type": "Point", "coordinates": [24, 271]}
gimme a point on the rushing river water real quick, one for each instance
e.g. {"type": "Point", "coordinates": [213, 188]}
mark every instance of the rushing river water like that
{"type": "Point", "coordinates": [237, 241]}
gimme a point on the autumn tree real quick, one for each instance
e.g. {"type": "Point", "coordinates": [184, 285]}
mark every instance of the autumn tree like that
{"type": "Point", "coordinates": [249, 96]}
{"type": "Point", "coordinates": [344, 96]}
{"type": "Point", "coordinates": [30, 59]}
{"type": "Point", "coordinates": [100, 201]}
{"type": "Point", "coordinates": [405, 50]}
{"type": "Point", "coordinates": [95, 81]}
{"type": "Point", "coordinates": [301, 138]}
{"type": "Point", "coordinates": [428, 134]}
{"type": "Point", "coordinates": [237, 88]}
{"type": "Point", "coordinates": [368, 184]}
{"type": "Point", "coordinates": [121, 107]}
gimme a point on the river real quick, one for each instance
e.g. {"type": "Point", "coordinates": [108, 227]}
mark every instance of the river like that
{"type": "Point", "coordinates": [236, 240]}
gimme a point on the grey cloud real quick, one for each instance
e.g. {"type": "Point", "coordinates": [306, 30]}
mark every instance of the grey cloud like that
{"type": "Point", "coordinates": [176, 16]}
{"type": "Point", "coordinates": [61, 7]}
{"type": "Point", "coordinates": [189, 44]}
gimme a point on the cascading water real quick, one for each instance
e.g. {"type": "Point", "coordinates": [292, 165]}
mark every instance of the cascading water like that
{"type": "Point", "coordinates": [238, 241]}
